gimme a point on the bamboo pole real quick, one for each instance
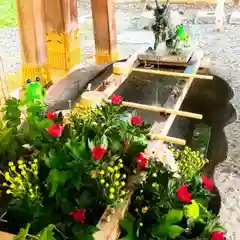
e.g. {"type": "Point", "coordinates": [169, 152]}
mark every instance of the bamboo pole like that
{"type": "Point", "coordinates": [175, 74]}
{"type": "Point", "coordinates": [159, 109]}
{"type": "Point", "coordinates": [173, 140]}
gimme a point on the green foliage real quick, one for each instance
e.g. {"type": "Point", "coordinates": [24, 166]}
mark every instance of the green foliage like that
{"type": "Point", "coordinates": [159, 202]}
{"type": "Point", "coordinates": [64, 174]}
{"type": "Point", "coordinates": [8, 13]}
{"type": "Point", "coordinates": [190, 162]}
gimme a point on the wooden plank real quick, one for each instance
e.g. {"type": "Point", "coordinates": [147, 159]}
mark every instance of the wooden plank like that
{"type": "Point", "coordinates": [159, 109]}
{"type": "Point", "coordinates": [62, 34]}
{"type": "Point", "coordinates": [104, 26]}
{"type": "Point", "coordinates": [32, 40]}
{"type": "Point", "coordinates": [192, 68]}
{"type": "Point", "coordinates": [112, 83]}
{"type": "Point", "coordinates": [174, 74]}
{"type": "Point", "coordinates": [6, 236]}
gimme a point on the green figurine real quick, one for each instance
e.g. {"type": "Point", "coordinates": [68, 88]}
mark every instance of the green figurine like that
{"type": "Point", "coordinates": [35, 95]}
{"type": "Point", "coordinates": [181, 33]}
{"type": "Point", "coordinates": [35, 91]}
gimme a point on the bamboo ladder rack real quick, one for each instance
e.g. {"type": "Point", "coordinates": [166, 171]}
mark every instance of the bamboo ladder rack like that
{"type": "Point", "coordinates": [110, 230]}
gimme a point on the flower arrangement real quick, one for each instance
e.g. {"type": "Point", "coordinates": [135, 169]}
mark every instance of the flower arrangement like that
{"type": "Point", "coordinates": [59, 175]}
{"type": "Point", "coordinates": [172, 200]}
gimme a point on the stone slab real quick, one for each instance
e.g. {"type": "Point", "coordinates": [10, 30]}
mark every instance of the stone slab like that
{"type": "Point", "coordinates": [206, 17]}
{"type": "Point", "coordinates": [234, 18]}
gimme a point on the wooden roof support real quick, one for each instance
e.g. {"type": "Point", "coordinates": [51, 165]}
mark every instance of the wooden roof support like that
{"type": "Point", "coordinates": [104, 25]}
{"type": "Point", "coordinates": [32, 40]}
{"type": "Point", "coordinates": [62, 34]}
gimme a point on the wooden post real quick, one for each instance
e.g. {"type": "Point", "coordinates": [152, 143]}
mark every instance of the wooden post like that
{"type": "Point", "coordinates": [104, 26]}
{"type": "Point", "coordinates": [32, 41]}
{"type": "Point", "coordinates": [62, 34]}
{"type": "Point", "coordinates": [220, 15]}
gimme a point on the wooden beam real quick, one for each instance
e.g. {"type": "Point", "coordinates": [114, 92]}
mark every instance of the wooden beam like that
{"type": "Point", "coordinates": [170, 73]}
{"type": "Point", "coordinates": [32, 41]}
{"type": "Point", "coordinates": [62, 34]}
{"type": "Point", "coordinates": [104, 26]}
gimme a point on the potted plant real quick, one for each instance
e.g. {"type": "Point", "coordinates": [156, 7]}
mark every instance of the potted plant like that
{"type": "Point", "coordinates": [172, 200]}
{"type": "Point", "coordinates": [58, 174]}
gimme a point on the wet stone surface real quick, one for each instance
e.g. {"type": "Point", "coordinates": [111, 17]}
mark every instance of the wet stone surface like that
{"type": "Point", "coordinates": [224, 51]}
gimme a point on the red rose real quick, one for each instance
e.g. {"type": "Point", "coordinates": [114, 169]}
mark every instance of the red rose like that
{"type": "Point", "coordinates": [207, 183]}
{"type": "Point", "coordinates": [217, 235]}
{"type": "Point", "coordinates": [98, 152]}
{"type": "Point", "coordinates": [55, 130]}
{"type": "Point", "coordinates": [183, 194]}
{"type": "Point", "coordinates": [126, 143]}
{"type": "Point", "coordinates": [141, 161]}
{"type": "Point", "coordinates": [78, 215]}
{"type": "Point", "coordinates": [136, 120]}
{"type": "Point", "coordinates": [116, 99]}
{"type": "Point", "coordinates": [51, 115]}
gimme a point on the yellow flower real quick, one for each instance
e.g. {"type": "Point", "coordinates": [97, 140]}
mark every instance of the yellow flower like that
{"type": "Point", "coordinates": [123, 183]}
{"type": "Point", "coordinates": [13, 168]}
{"type": "Point", "coordinates": [107, 185]}
{"type": "Point", "coordinates": [116, 168]}
{"type": "Point", "coordinates": [20, 162]}
{"type": "Point", "coordinates": [35, 173]}
{"type": "Point", "coordinates": [102, 181]}
{"type": "Point", "coordinates": [5, 184]}
{"type": "Point", "coordinates": [136, 210]}
{"type": "Point", "coordinates": [8, 191]}
{"type": "Point", "coordinates": [124, 176]}
{"type": "Point", "coordinates": [123, 192]}
{"type": "Point", "coordinates": [102, 172]}
{"type": "Point", "coordinates": [10, 164]}
{"type": "Point", "coordinates": [111, 196]}
{"type": "Point", "coordinates": [121, 165]}
{"type": "Point", "coordinates": [23, 173]}
{"type": "Point", "coordinates": [154, 175]}
{"type": "Point", "coordinates": [117, 175]}
{"type": "Point", "coordinates": [12, 186]}
{"type": "Point", "coordinates": [110, 169]}
{"type": "Point", "coordinates": [116, 183]}
{"type": "Point", "coordinates": [144, 210]}
{"type": "Point", "coordinates": [112, 190]}
{"type": "Point", "coordinates": [140, 224]}
{"type": "Point", "coordinates": [35, 161]}
{"type": "Point", "coordinates": [7, 176]}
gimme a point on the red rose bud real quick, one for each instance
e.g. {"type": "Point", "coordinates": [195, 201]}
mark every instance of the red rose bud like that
{"type": "Point", "coordinates": [141, 161]}
{"type": "Point", "coordinates": [183, 194]}
{"type": "Point", "coordinates": [55, 130]}
{"type": "Point", "coordinates": [98, 152]}
{"type": "Point", "coordinates": [78, 215]}
{"type": "Point", "coordinates": [207, 183]}
{"type": "Point", "coordinates": [136, 120]}
{"type": "Point", "coordinates": [126, 143]}
{"type": "Point", "coordinates": [116, 99]}
{"type": "Point", "coordinates": [217, 235]}
{"type": "Point", "coordinates": [51, 115]}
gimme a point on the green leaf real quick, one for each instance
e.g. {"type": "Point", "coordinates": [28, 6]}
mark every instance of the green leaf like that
{"type": "Point", "coordinates": [174, 216]}
{"type": "Point", "coordinates": [104, 141]}
{"type": "Point", "coordinates": [56, 179]}
{"type": "Point", "coordinates": [128, 224]}
{"type": "Point", "coordinates": [175, 231]}
{"type": "Point", "coordinates": [47, 233]}
{"type": "Point", "coordinates": [85, 199]}
{"type": "Point", "coordinates": [161, 230]}
{"type": "Point", "coordinates": [23, 233]}
{"type": "Point", "coordinates": [192, 210]}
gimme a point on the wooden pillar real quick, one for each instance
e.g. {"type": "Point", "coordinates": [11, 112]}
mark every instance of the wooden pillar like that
{"type": "Point", "coordinates": [104, 26]}
{"type": "Point", "coordinates": [32, 41]}
{"type": "Point", "coordinates": [62, 34]}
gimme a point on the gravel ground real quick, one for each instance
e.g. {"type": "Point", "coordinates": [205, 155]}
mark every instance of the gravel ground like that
{"type": "Point", "coordinates": [224, 50]}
